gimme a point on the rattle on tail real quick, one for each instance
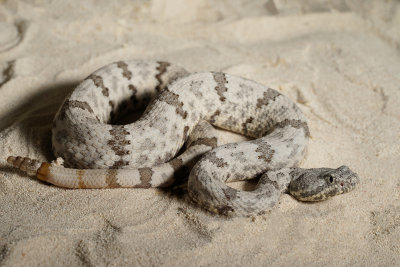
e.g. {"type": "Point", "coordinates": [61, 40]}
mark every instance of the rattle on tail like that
{"type": "Point", "coordinates": [143, 153]}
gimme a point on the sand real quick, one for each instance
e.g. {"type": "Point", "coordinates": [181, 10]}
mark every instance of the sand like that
{"type": "Point", "coordinates": [339, 60]}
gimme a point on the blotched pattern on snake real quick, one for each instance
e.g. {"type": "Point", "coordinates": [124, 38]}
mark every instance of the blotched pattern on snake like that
{"type": "Point", "coordinates": [181, 109]}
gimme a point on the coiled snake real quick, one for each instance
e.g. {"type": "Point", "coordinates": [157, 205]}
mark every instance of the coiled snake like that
{"type": "Point", "coordinates": [182, 107]}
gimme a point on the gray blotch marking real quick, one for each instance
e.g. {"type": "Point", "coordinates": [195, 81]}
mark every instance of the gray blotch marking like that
{"type": "Point", "coordinates": [118, 143]}
{"type": "Point", "coordinates": [221, 81]}
{"type": "Point", "coordinates": [268, 96]}
{"type": "Point", "coordinates": [298, 124]}
{"type": "Point", "coordinates": [75, 104]}
{"type": "Point", "coordinates": [265, 150]}
{"type": "Point", "coordinates": [267, 180]}
{"type": "Point", "coordinates": [245, 125]}
{"type": "Point", "coordinates": [145, 177]}
{"type": "Point", "coordinates": [80, 104]}
{"type": "Point", "coordinates": [211, 142]}
{"type": "Point", "coordinates": [173, 100]}
{"type": "Point", "coordinates": [98, 81]}
{"type": "Point", "coordinates": [119, 164]}
{"type": "Point", "coordinates": [212, 157]}
{"type": "Point", "coordinates": [111, 178]}
{"type": "Point", "coordinates": [125, 72]}
{"type": "Point", "coordinates": [162, 68]}
{"type": "Point", "coordinates": [118, 132]}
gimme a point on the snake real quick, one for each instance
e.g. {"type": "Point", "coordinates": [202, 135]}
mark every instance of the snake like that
{"type": "Point", "coordinates": [176, 137]}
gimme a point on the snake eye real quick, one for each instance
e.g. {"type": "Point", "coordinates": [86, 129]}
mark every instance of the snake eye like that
{"type": "Point", "coordinates": [329, 178]}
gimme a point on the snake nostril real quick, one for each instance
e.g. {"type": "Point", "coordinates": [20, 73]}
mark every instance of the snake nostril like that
{"type": "Point", "coordinates": [341, 184]}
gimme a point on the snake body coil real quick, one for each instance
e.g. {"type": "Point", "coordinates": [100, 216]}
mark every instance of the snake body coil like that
{"type": "Point", "coordinates": [182, 107]}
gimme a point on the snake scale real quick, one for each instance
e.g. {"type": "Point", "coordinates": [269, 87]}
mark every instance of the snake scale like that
{"type": "Point", "coordinates": [181, 109]}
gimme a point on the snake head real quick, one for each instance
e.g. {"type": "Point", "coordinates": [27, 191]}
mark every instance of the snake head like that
{"type": "Point", "coordinates": [322, 183]}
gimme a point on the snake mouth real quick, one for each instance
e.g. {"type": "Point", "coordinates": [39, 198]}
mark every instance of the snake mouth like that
{"type": "Point", "coordinates": [348, 184]}
{"type": "Point", "coordinates": [353, 180]}
{"type": "Point", "coordinates": [344, 185]}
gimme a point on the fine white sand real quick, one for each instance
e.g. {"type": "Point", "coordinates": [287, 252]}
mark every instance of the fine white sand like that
{"type": "Point", "coordinates": [339, 60]}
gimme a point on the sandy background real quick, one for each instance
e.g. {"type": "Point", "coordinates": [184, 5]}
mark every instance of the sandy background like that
{"type": "Point", "coordinates": [338, 59]}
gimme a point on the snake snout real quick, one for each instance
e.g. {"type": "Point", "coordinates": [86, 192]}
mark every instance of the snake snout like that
{"type": "Point", "coordinates": [351, 177]}
{"type": "Point", "coordinates": [354, 179]}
